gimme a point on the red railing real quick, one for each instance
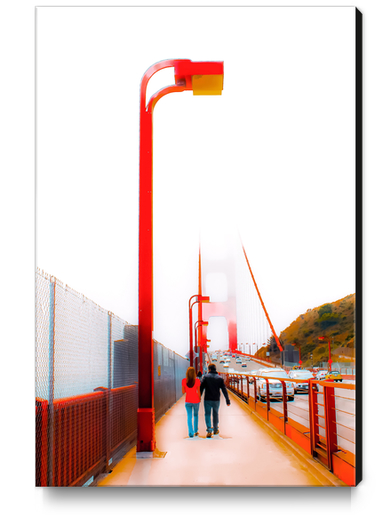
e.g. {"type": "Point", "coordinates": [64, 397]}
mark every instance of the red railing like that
{"type": "Point", "coordinates": [322, 421]}
{"type": "Point", "coordinates": [41, 450]}
{"type": "Point", "coordinates": [123, 419]}
{"type": "Point", "coordinates": [77, 436]}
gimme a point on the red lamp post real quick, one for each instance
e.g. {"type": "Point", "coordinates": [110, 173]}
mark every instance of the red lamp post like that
{"type": "Point", "coordinates": [199, 298]}
{"type": "Point", "coordinates": [326, 338]}
{"type": "Point", "coordinates": [203, 78]}
{"type": "Point", "coordinates": [294, 345]}
{"type": "Point", "coordinates": [197, 325]}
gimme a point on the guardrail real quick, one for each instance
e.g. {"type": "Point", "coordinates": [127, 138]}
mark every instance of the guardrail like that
{"type": "Point", "coordinates": [321, 421]}
{"type": "Point", "coordinates": [79, 435]}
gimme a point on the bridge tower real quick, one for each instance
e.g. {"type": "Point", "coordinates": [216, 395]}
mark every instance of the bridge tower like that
{"type": "Point", "coordinates": [217, 279]}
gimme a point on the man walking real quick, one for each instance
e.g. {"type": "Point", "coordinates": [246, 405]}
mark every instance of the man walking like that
{"type": "Point", "coordinates": [212, 383]}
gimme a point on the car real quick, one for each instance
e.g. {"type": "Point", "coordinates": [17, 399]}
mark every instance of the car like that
{"type": "Point", "coordinates": [275, 390]}
{"type": "Point", "coordinates": [296, 367]}
{"type": "Point", "coordinates": [226, 365]}
{"type": "Point", "coordinates": [227, 360]}
{"type": "Point", "coordinates": [320, 375]}
{"type": "Point", "coordinates": [251, 374]}
{"type": "Point", "coordinates": [238, 361]}
{"type": "Point", "coordinates": [301, 374]}
{"type": "Point", "coordinates": [222, 360]}
{"type": "Point", "coordinates": [273, 372]}
{"type": "Point", "coordinates": [333, 375]}
{"type": "Point", "coordinates": [244, 365]}
{"type": "Point", "coordinates": [275, 386]}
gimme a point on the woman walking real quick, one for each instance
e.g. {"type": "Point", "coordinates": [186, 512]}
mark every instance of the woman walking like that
{"type": "Point", "coordinates": [191, 386]}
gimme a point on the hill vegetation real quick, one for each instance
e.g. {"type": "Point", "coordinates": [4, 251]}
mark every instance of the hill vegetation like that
{"type": "Point", "coordinates": [333, 320]}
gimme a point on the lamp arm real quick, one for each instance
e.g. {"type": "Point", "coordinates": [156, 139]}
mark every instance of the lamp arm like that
{"type": "Point", "coordinates": [161, 93]}
{"type": "Point", "coordinates": [167, 63]}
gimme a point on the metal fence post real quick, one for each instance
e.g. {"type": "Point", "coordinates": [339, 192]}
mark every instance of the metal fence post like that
{"type": "Point", "coordinates": [316, 449]}
{"type": "Point", "coordinates": [175, 379]}
{"type": "Point", "coordinates": [109, 399]}
{"type": "Point", "coordinates": [330, 423]}
{"type": "Point", "coordinates": [285, 405]}
{"type": "Point", "coordinates": [50, 428]}
{"type": "Point", "coordinates": [267, 398]}
{"type": "Point", "coordinates": [255, 392]}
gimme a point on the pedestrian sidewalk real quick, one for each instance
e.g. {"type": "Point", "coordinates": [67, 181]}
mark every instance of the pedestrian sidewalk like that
{"type": "Point", "coordinates": [245, 453]}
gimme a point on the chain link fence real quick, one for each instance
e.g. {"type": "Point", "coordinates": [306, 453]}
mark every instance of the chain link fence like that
{"type": "Point", "coordinates": [87, 384]}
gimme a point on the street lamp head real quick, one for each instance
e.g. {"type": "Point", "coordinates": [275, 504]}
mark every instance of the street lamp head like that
{"type": "Point", "coordinates": [202, 77]}
{"type": "Point", "coordinates": [200, 322]}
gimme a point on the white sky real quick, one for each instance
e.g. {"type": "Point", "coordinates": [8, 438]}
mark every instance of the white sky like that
{"type": "Point", "coordinates": [275, 154]}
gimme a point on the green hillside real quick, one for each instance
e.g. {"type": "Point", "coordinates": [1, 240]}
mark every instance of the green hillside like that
{"type": "Point", "coordinates": [334, 320]}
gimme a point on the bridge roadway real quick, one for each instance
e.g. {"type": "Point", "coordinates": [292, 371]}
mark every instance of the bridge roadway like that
{"type": "Point", "coordinates": [247, 452]}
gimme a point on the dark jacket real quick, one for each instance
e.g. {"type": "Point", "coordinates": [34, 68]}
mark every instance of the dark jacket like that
{"type": "Point", "coordinates": [212, 383]}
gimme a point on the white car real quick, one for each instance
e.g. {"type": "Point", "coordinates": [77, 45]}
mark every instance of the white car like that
{"type": "Point", "coordinates": [275, 386]}
{"type": "Point", "coordinates": [226, 365]}
{"type": "Point", "coordinates": [273, 372]}
{"type": "Point", "coordinates": [321, 374]}
{"type": "Point", "coordinates": [251, 373]}
{"type": "Point", "coordinates": [301, 374]}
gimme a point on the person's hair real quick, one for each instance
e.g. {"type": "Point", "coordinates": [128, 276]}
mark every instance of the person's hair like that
{"type": "Point", "coordinates": [199, 373]}
{"type": "Point", "coordinates": [212, 367]}
{"type": "Point", "coordinates": [190, 377]}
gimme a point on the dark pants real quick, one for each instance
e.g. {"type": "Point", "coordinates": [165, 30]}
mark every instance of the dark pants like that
{"type": "Point", "coordinates": [210, 406]}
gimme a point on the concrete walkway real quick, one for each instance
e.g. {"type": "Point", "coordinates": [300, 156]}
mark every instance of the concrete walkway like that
{"type": "Point", "coordinates": [245, 453]}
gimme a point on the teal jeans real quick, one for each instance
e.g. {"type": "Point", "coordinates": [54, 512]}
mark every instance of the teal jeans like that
{"type": "Point", "coordinates": [192, 413]}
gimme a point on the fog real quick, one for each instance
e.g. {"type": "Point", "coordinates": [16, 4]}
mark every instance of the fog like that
{"type": "Point", "coordinates": [271, 158]}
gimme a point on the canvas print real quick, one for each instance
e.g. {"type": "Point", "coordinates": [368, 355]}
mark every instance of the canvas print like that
{"type": "Point", "coordinates": [198, 246]}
